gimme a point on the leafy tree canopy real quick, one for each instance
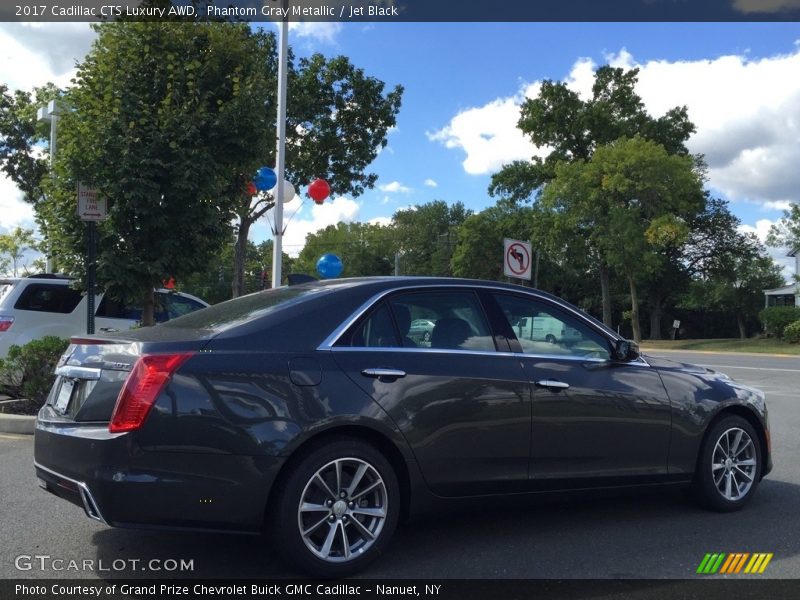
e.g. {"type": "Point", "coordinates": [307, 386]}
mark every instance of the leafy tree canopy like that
{"type": "Point", "coordinates": [572, 128]}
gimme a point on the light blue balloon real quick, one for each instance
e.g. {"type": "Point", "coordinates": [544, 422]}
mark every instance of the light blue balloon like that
{"type": "Point", "coordinates": [329, 266]}
{"type": "Point", "coordinates": [265, 179]}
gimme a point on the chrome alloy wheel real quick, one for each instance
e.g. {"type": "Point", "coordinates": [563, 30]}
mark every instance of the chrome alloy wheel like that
{"type": "Point", "coordinates": [733, 464]}
{"type": "Point", "coordinates": [342, 509]}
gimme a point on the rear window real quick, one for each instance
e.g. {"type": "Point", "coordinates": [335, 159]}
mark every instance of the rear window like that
{"type": "Point", "coordinates": [243, 309]}
{"type": "Point", "coordinates": [47, 297]}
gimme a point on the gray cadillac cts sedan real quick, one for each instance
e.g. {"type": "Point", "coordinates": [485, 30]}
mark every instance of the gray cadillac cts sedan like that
{"type": "Point", "coordinates": [309, 414]}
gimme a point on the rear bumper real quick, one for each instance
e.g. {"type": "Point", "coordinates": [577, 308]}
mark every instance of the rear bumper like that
{"type": "Point", "coordinates": [118, 483]}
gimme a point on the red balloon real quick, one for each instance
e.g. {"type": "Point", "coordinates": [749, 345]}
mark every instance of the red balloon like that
{"type": "Point", "coordinates": [319, 190]}
{"type": "Point", "coordinates": [251, 189]}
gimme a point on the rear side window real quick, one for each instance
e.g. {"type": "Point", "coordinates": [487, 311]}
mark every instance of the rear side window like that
{"type": "Point", "coordinates": [447, 320]}
{"type": "Point", "coordinates": [177, 306]}
{"type": "Point", "coordinates": [116, 309]}
{"type": "Point", "coordinates": [45, 297]}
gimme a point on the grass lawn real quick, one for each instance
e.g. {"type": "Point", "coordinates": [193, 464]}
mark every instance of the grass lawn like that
{"type": "Point", "coordinates": [759, 345]}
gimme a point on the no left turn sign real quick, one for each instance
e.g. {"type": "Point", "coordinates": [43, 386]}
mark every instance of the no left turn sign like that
{"type": "Point", "coordinates": [517, 259]}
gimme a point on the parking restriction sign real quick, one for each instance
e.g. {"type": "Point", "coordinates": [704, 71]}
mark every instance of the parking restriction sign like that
{"type": "Point", "coordinates": [91, 205]}
{"type": "Point", "coordinates": [517, 259]}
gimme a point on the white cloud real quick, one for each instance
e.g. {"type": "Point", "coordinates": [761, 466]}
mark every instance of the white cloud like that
{"type": "Point", "coordinates": [15, 211]}
{"type": "Point", "coordinates": [382, 221]}
{"type": "Point", "coordinates": [310, 218]}
{"type": "Point", "coordinates": [394, 187]}
{"type": "Point", "coordinates": [318, 31]}
{"type": "Point", "coordinates": [32, 54]}
{"type": "Point", "coordinates": [431, 183]}
{"type": "Point", "coordinates": [488, 134]}
{"type": "Point", "coordinates": [747, 114]}
{"type": "Point", "coordinates": [778, 205]}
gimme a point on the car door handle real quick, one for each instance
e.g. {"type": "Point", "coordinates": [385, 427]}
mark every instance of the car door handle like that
{"type": "Point", "coordinates": [393, 373]}
{"type": "Point", "coordinates": [552, 383]}
{"type": "Point", "coordinates": [109, 329]}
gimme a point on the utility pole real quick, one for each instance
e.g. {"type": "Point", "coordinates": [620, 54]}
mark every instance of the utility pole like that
{"type": "Point", "coordinates": [280, 157]}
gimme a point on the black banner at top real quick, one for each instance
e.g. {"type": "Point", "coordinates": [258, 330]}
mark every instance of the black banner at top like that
{"type": "Point", "coordinates": [395, 11]}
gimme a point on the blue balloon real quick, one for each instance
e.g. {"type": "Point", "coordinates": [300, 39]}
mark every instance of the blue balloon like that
{"type": "Point", "coordinates": [329, 266]}
{"type": "Point", "coordinates": [265, 179]}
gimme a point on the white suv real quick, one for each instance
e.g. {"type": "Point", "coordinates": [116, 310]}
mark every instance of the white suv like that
{"type": "Point", "coordinates": [34, 307]}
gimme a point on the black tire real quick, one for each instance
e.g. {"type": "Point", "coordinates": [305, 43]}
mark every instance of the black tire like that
{"type": "Point", "coordinates": [550, 338]}
{"type": "Point", "coordinates": [344, 517]}
{"type": "Point", "coordinates": [729, 467]}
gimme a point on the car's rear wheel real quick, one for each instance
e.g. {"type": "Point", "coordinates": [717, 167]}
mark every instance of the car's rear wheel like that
{"type": "Point", "coordinates": [550, 338]}
{"type": "Point", "coordinates": [338, 508]}
{"type": "Point", "coordinates": [729, 468]}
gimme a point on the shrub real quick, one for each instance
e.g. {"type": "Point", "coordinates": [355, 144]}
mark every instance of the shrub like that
{"type": "Point", "coordinates": [776, 318]}
{"type": "Point", "coordinates": [28, 371]}
{"type": "Point", "coordinates": [791, 333]}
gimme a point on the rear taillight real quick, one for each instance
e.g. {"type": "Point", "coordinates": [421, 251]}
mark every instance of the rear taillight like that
{"type": "Point", "coordinates": [148, 377]}
{"type": "Point", "coordinates": [6, 323]}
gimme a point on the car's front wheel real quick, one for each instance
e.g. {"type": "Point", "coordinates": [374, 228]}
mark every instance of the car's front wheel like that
{"type": "Point", "coordinates": [338, 508]}
{"type": "Point", "coordinates": [729, 465]}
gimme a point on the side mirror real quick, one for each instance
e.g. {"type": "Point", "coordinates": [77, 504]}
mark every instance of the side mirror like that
{"type": "Point", "coordinates": [626, 350]}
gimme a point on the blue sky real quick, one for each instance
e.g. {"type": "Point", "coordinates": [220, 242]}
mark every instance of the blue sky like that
{"type": "Point", "coordinates": [464, 82]}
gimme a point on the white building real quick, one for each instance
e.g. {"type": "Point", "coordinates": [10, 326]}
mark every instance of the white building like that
{"type": "Point", "coordinates": [788, 295]}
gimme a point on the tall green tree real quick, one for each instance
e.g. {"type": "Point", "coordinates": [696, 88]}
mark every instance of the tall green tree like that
{"type": "Point", "coordinates": [631, 200]}
{"type": "Point", "coordinates": [427, 235]}
{"type": "Point", "coordinates": [22, 136]}
{"type": "Point", "coordinates": [479, 250]}
{"type": "Point", "coordinates": [572, 128]}
{"type": "Point", "coordinates": [213, 283]}
{"type": "Point", "coordinates": [366, 249]}
{"type": "Point", "coordinates": [337, 120]}
{"type": "Point", "coordinates": [736, 281]}
{"type": "Point", "coordinates": [159, 121]}
{"type": "Point", "coordinates": [13, 249]}
{"type": "Point", "coordinates": [787, 231]}
{"type": "Point", "coordinates": [713, 237]}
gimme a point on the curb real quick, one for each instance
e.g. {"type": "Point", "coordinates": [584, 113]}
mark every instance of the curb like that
{"type": "Point", "coordinates": [730, 352]}
{"type": "Point", "coordinates": [23, 424]}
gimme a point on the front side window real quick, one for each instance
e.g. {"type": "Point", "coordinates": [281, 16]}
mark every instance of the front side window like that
{"type": "Point", "coordinates": [545, 330]}
{"type": "Point", "coordinates": [443, 320]}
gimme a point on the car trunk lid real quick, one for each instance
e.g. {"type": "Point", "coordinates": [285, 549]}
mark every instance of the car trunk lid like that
{"type": "Point", "coordinates": [92, 372]}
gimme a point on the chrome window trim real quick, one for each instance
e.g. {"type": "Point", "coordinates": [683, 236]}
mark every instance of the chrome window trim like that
{"type": "Point", "coordinates": [328, 344]}
{"type": "Point", "coordinates": [89, 503]}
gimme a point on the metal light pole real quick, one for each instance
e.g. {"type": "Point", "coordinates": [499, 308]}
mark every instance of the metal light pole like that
{"type": "Point", "coordinates": [277, 246]}
{"type": "Point", "coordinates": [50, 113]}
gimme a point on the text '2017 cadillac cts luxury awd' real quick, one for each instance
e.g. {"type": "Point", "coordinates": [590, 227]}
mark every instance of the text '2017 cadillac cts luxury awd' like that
{"type": "Point", "coordinates": [307, 412]}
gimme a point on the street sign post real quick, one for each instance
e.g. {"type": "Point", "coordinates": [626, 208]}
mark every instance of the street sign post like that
{"type": "Point", "coordinates": [91, 209]}
{"type": "Point", "coordinates": [517, 259]}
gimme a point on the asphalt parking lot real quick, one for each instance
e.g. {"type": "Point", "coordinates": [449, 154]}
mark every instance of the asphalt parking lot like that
{"type": "Point", "coordinates": [624, 535]}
